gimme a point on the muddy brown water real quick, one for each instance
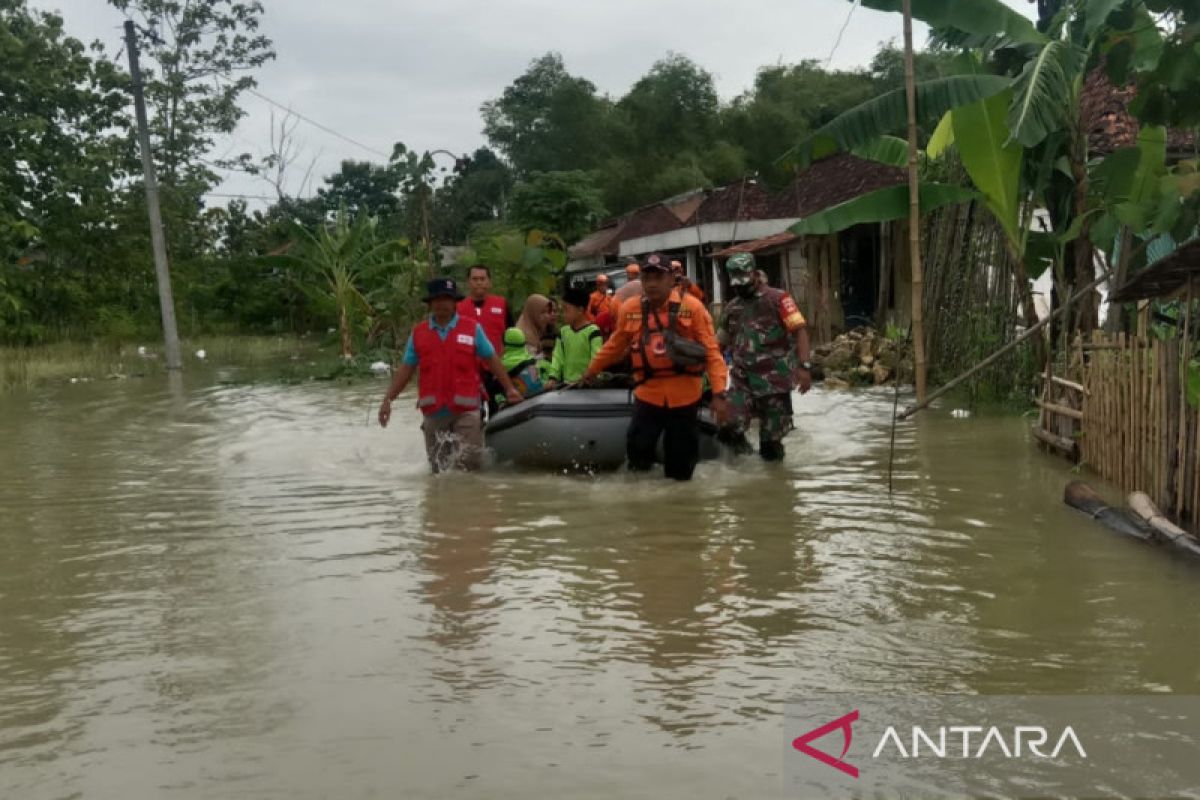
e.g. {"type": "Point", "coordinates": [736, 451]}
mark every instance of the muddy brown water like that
{"type": "Point", "coordinates": [213, 591]}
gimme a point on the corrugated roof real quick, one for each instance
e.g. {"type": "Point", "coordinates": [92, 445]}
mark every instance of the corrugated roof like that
{"type": "Point", "coordinates": [759, 245]}
{"type": "Point", "coordinates": [1104, 113]}
{"type": "Point", "coordinates": [831, 181]}
{"type": "Point", "coordinates": [1162, 278]}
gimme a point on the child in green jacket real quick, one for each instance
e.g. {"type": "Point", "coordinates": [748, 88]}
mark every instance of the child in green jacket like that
{"type": "Point", "coordinates": [521, 367]}
{"type": "Point", "coordinates": [578, 341]}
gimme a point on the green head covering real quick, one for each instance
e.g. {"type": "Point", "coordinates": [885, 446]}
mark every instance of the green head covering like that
{"type": "Point", "coordinates": [740, 267]}
{"type": "Point", "coordinates": [514, 337]}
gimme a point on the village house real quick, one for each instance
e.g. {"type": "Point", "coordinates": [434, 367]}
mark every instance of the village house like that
{"type": "Point", "coordinates": [855, 277]}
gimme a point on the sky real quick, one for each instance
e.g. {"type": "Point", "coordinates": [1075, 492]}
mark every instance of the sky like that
{"type": "Point", "coordinates": [417, 71]}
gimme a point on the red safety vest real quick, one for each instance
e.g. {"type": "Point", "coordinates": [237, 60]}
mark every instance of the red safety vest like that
{"type": "Point", "coordinates": [449, 372]}
{"type": "Point", "coordinates": [491, 315]}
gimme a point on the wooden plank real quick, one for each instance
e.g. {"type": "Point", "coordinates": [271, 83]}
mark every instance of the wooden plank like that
{"type": "Point", "coordinates": [1062, 443]}
{"type": "Point", "coordinates": [1063, 382]}
{"type": "Point", "coordinates": [1055, 408]}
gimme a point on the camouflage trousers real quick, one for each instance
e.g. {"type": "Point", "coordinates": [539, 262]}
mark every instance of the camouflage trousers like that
{"type": "Point", "coordinates": [773, 411]}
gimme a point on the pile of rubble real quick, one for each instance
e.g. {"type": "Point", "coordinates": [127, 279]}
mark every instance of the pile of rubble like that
{"type": "Point", "coordinates": [863, 357]}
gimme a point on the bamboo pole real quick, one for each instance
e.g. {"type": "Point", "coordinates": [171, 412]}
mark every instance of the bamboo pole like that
{"type": "Point", "coordinates": [1033, 329]}
{"type": "Point", "coordinates": [914, 210]}
{"type": "Point", "coordinates": [1181, 441]}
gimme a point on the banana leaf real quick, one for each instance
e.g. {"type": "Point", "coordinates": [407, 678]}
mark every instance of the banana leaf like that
{"type": "Point", "coordinates": [981, 17]}
{"type": "Point", "coordinates": [881, 205]}
{"type": "Point", "coordinates": [888, 113]}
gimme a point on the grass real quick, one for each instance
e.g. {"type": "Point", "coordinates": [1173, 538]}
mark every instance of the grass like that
{"type": "Point", "coordinates": [287, 358]}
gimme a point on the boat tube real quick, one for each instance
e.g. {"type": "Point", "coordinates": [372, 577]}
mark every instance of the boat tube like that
{"type": "Point", "coordinates": [575, 429]}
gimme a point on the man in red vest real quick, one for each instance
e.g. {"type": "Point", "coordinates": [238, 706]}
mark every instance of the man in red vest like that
{"type": "Point", "coordinates": [489, 310]}
{"type": "Point", "coordinates": [448, 347]}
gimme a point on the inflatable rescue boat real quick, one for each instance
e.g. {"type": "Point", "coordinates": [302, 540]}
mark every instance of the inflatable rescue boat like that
{"type": "Point", "coordinates": [575, 429]}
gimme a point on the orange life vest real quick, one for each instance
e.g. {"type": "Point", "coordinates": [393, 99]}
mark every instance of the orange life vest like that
{"type": "Point", "coordinates": [597, 304]}
{"type": "Point", "coordinates": [648, 344]}
{"type": "Point", "coordinates": [449, 375]}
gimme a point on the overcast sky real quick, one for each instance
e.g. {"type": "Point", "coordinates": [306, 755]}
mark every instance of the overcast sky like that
{"type": "Point", "coordinates": [416, 71]}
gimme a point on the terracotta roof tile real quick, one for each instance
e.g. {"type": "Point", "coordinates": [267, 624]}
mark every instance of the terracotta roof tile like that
{"type": "Point", "coordinates": [1104, 113]}
{"type": "Point", "coordinates": [743, 200]}
{"type": "Point", "coordinates": [831, 181]}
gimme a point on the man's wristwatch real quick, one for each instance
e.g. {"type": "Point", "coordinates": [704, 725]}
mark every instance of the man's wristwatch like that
{"type": "Point", "coordinates": [806, 366]}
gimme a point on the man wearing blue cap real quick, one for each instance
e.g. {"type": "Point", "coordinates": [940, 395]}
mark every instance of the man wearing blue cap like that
{"type": "Point", "coordinates": [448, 347]}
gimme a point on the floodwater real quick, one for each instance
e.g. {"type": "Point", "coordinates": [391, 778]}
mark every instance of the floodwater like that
{"type": "Point", "coordinates": [214, 591]}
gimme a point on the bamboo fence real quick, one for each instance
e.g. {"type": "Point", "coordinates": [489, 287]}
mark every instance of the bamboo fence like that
{"type": "Point", "coordinates": [1138, 431]}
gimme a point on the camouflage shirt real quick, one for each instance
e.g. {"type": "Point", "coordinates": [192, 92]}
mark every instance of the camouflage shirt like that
{"type": "Point", "coordinates": [759, 335]}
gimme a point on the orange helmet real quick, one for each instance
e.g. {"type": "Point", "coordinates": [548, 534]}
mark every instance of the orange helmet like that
{"type": "Point", "coordinates": [632, 268]}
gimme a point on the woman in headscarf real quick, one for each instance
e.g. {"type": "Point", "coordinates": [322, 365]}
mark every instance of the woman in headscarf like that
{"type": "Point", "coordinates": [536, 317]}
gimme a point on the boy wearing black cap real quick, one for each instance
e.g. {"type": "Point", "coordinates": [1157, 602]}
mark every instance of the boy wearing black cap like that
{"type": "Point", "coordinates": [448, 347]}
{"type": "Point", "coordinates": [578, 341]}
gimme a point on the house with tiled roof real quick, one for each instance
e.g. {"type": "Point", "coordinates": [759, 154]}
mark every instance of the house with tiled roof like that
{"type": "Point", "coordinates": [857, 276]}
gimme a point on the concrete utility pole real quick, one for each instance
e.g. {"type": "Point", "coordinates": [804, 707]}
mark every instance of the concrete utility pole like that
{"type": "Point", "coordinates": [914, 211]}
{"type": "Point", "coordinates": [166, 301]}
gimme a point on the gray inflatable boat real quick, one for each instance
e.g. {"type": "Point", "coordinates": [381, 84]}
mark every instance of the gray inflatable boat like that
{"type": "Point", "coordinates": [575, 429]}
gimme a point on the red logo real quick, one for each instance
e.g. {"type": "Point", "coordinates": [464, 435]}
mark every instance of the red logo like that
{"type": "Point", "coordinates": [801, 743]}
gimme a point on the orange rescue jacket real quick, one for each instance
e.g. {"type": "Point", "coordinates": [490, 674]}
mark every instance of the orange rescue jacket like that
{"type": "Point", "coordinates": [660, 382]}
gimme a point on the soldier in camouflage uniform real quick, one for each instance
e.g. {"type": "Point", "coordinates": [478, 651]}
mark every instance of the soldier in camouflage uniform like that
{"type": "Point", "coordinates": [766, 339]}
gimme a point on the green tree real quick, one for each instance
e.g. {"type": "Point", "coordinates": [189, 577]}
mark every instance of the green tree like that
{"type": "Point", "coordinates": [548, 120]}
{"type": "Point", "coordinates": [63, 156]}
{"type": "Point", "coordinates": [196, 58]}
{"type": "Point", "coordinates": [672, 109]}
{"type": "Point", "coordinates": [476, 193]}
{"type": "Point", "coordinates": [363, 188]}
{"type": "Point", "coordinates": [565, 203]}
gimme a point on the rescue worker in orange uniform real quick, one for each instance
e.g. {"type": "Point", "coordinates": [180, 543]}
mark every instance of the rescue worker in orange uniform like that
{"type": "Point", "coordinates": [448, 347]}
{"type": "Point", "coordinates": [684, 283]}
{"type": "Point", "coordinates": [670, 340]}
{"type": "Point", "coordinates": [599, 300]}
{"type": "Point", "coordinates": [633, 271]}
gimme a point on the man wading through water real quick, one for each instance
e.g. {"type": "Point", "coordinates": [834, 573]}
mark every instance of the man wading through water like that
{"type": "Point", "coordinates": [671, 343]}
{"type": "Point", "coordinates": [492, 313]}
{"type": "Point", "coordinates": [767, 340]}
{"type": "Point", "coordinates": [448, 347]}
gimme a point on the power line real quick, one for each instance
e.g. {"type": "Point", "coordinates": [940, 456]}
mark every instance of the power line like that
{"type": "Point", "coordinates": [241, 196]}
{"type": "Point", "coordinates": [838, 42]}
{"type": "Point", "coordinates": [317, 125]}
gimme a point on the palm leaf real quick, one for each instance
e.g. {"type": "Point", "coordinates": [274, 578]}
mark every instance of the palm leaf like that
{"type": "Point", "coordinates": [888, 112]}
{"type": "Point", "coordinates": [979, 17]}
{"type": "Point", "coordinates": [881, 205]}
{"type": "Point", "coordinates": [1043, 92]}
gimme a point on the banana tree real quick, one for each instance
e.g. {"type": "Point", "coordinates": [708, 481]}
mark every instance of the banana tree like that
{"type": "Point", "coordinates": [336, 254]}
{"type": "Point", "coordinates": [1019, 132]}
{"type": "Point", "coordinates": [522, 263]}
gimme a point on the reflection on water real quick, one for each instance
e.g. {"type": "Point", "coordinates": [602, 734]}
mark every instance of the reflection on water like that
{"type": "Point", "coordinates": [250, 591]}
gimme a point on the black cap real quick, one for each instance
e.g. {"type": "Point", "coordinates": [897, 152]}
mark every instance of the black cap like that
{"type": "Point", "coordinates": [577, 297]}
{"type": "Point", "coordinates": [656, 262]}
{"type": "Point", "coordinates": [442, 287]}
